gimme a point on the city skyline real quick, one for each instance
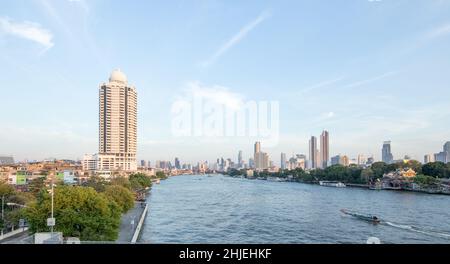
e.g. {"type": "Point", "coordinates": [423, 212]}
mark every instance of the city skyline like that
{"type": "Point", "coordinates": [375, 83]}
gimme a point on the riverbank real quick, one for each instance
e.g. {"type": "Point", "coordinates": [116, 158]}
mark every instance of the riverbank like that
{"type": "Point", "coordinates": [351, 185]}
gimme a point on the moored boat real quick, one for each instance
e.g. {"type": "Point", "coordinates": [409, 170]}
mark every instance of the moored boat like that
{"type": "Point", "coordinates": [332, 184]}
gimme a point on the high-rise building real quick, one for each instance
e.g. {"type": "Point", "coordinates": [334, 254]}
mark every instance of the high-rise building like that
{"type": "Point", "coordinates": [297, 161]}
{"type": "Point", "coordinates": [361, 159]}
{"type": "Point", "coordinates": [283, 161]}
{"type": "Point", "coordinates": [428, 158]}
{"type": "Point", "coordinates": [240, 161]}
{"type": "Point", "coordinates": [341, 160]}
{"type": "Point", "coordinates": [313, 153]}
{"type": "Point", "coordinates": [257, 147]}
{"type": "Point", "coordinates": [447, 147]}
{"type": "Point", "coordinates": [251, 163]}
{"type": "Point", "coordinates": [441, 157]}
{"type": "Point", "coordinates": [261, 159]}
{"type": "Point", "coordinates": [335, 160]}
{"type": "Point", "coordinates": [143, 163]}
{"type": "Point", "coordinates": [386, 154]}
{"type": "Point", "coordinates": [324, 149]}
{"type": "Point", "coordinates": [345, 160]}
{"type": "Point", "coordinates": [6, 160]}
{"type": "Point", "coordinates": [90, 162]}
{"type": "Point", "coordinates": [117, 124]}
{"type": "Point", "coordinates": [177, 164]}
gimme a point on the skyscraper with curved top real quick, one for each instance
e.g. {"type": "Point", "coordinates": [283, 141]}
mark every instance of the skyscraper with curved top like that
{"type": "Point", "coordinates": [117, 124]}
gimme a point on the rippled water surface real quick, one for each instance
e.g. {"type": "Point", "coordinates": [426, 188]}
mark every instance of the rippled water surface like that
{"type": "Point", "coordinates": [220, 209]}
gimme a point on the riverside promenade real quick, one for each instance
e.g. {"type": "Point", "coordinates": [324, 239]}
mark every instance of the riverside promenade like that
{"type": "Point", "coordinates": [131, 223]}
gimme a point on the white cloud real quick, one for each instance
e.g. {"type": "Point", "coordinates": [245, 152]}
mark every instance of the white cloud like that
{"type": "Point", "coordinates": [243, 32]}
{"type": "Point", "coordinates": [329, 115]}
{"type": "Point", "coordinates": [27, 30]}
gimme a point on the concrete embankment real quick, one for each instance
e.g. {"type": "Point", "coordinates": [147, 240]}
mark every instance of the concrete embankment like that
{"type": "Point", "coordinates": [137, 232]}
{"type": "Point", "coordinates": [131, 223]}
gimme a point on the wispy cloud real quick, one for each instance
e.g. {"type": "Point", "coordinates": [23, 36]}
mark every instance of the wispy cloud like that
{"type": "Point", "coordinates": [321, 84]}
{"type": "Point", "coordinates": [83, 4]}
{"type": "Point", "coordinates": [370, 80]}
{"type": "Point", "coordinates": [243, 32]}
{"type": "Point", "coordinates": [439, 31]}
{"type": "Point", "coordinates": [28, 30]}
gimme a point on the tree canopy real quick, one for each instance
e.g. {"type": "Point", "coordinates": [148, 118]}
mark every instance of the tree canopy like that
{"type": "Point", "coordinates": [80, 212]}
{"type": "Point", "coordinates": [121, 195]}
{"type": "Point", "coordinates": [140, 181]}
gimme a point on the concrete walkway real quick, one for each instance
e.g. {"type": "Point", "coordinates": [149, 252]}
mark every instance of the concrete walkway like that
{"type": "Point", "coordinates": [20, 236]}
{"type": "Point", "coordinates": [129, 223]}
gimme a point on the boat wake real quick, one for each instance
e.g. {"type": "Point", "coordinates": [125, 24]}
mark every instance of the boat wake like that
{"type": "Point", "coordinates": [418, 230]}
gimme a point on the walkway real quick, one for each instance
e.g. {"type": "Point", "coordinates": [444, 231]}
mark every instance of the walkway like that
{"type": "Point", "coordinates": [129, 223]}
{"type": "Point", "coordinates": [20, 238]}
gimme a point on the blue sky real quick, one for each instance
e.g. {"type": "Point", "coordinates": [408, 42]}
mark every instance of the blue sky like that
{"type": "Point", "coordinates": [367, 71]}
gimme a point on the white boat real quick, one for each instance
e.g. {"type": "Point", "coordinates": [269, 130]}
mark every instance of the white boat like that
{"type": "Point", "coordinates": [332, 184]}
{"type": "Point", "coordinates": [157, 181]}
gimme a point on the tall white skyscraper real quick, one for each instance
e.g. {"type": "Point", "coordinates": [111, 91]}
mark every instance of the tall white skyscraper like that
{"type": "Point", "coordinates": [324, 149]}
{"type": "Point", "coordinates": [117, 124]}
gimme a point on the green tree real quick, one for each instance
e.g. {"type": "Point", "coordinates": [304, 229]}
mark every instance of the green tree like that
{"type": "Point", "coordinates": [354, 175]}
{"type": "Point", "coordinates": [121, 181]}
{"type": "Point", "coordinates": [425, 180]}
{"type": "Point", "coordinates": [393, 167]}
{"type": "Point", "coordinates": [161, 175]}
{"type": "Point", "coordinates": [233, 172]}
{"type": "Point", "coordinates": [121, 195]}
{"type": "Point", "coordinates": [139, 181]}
{"type": "Point", "coordinates": [336, 173]}
{"type": "Point", "coordinates": [435, 169]}
{"type": "Point", "coordinates": [379, 169]}
{"type": "Point", "coordinates": [23, 198]}
{"type": "Point", "coordinates": [36, 185]}
{"type": "Point", "coordinates": [367, 175]}
{"type": "Point", "coordinates": [96, 182]}
{"type": "Point", "coordinates": [6, 189]}
{"type": "Point", "coordinates": [79, 212]}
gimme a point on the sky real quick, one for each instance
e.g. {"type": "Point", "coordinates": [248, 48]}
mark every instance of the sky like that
{"type": "Point", "coordinates": [365, 70]}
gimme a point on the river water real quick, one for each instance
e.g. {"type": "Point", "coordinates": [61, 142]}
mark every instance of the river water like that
{"type": "Point", "coordinates": [221, 209]}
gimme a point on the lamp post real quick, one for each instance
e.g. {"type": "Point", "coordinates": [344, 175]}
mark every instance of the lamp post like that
{"type": "Point", "coordinates": [51, 221]}
{"type": "Point", "coordinates": [52, 208]}
{"type": "Point", "coordinates": [3, 212]}
{"type": "Point", "coordinates": [3, 207]}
